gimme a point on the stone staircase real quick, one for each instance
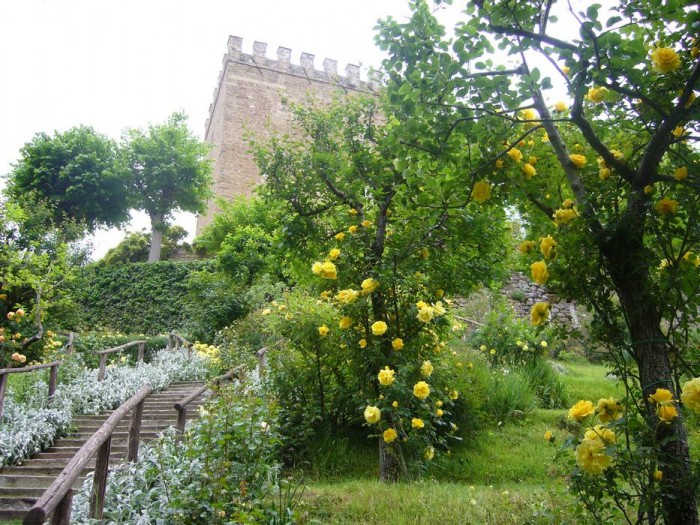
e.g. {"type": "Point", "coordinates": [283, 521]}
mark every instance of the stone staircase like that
{"type": "Point", "coordinates": [22, 485]}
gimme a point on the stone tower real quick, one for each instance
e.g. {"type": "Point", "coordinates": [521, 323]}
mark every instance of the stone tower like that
{"type": "Point", "coordinates": [252, 95]}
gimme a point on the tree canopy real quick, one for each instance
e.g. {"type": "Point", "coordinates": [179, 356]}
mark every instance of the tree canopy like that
{"type": "Point", "coordinates": [74, 172]}
{"type": "Point", "coordinates": [169, 172]}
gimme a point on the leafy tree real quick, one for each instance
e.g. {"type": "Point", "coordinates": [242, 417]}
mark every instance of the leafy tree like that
{"type": "Point", "coordinates": [75, 174]}
{"type": "Point", "coordinates": [136, 245]}
{"type": "Point", "coordinates": [170, 172]}
{"type": "Point", "coordinates": [396, 236]}
{"type": "Point", "coordinates": [609, 174]}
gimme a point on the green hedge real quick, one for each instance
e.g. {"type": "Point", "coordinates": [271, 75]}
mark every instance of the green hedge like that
{"type": "Point", "coordinates": [136, 298]}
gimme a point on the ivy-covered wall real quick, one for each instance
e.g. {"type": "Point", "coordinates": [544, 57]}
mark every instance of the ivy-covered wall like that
{"type": "Point", "coordinates": [136, 298]}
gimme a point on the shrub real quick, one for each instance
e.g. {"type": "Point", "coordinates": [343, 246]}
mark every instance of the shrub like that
{"type": "Point", "coordinates": [510, 396]}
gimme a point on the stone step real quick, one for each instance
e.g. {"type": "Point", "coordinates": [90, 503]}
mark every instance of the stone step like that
{"type": "Point", "coordinates": [39, 482]}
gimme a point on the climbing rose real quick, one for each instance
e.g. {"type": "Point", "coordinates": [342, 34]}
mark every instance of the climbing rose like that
{"type": "Point", "coordinates": [529, 171]}
{"type": "Point", "coordinates": [366, 223]}
{"type": "Point", "coordinates": [662, 396]}
{"type": "Point", "coordinates": [667, 206]}
{"type": "Point", "coordinates": [658, 475]}
{"type": "Point", "coordinates": [568, 203]}
{"type": "Point", "coordinates": [608, 410]}
{"type": "Point", "coordinates": [560, 107]}
{"type": "Point", "coordinates": [389, 435]}
{"type": "Point", "coordinates": [604, 174]}
{"type": "Point", "coordinates": [481, 192]}
{"type": "Point", "coordinates": [515, 154]}
{"type": "Point", "coordinates": [372, 414]}
{"type": "Point", "coordinates": [596, 95]}
{"type": "Point", "coordinates": [346, 296]}
{"type": "Point", "coordinates": [539, 313]}
{"type": "Point", "coordinates": [334, 254]}
{"type": "Point", "coordinates": [580, 410]}
{"type": "Point", "coordinates": [369, 285]}
{"type": "Point", "coordinates": [665, 60]}
{"type": "Point", "coordinates": [352, 229]}
{"type": "Point", "coordinates": [425, 314]}
{"type": "Point", "coordinates": [328, 270]}
{"type": "Point", "coordinates": [591, 456]}
{"type": "Point", "coordinates": [362, 343]}
{"type": "Point", "coordinates": [417, 423]}
{"type": "Point", "coordinates": [548, 246]}
{"type": "Point", "coordinates": [548, 436]}
{"type": "Point", "coordinates": [345, 322]}
{"type": "Point", "coordinates": [421, 390]}
{"type": "Point", "coordinates": [386, 376]}
{"type": "Point", "coordinates": [691, 394]}
{"type": "Point", "coordinates": [602, 433]}
{"type": "Point", "coordinates": [323, 330]}
{"type": "Point", "coordinates": [526, 246]}
{"type": "Point", "coordinates": [454, 395]}
{"type": "Point", "coordinates": [539, 272]}
{"type": "Point", "coordinates": [426, 369]}
{"type": "Point", "coordinates": [528, 114]}
{"type": "Point", "coordinates": [429, 453]}
{"type": "Point", "coordinates": [666, 413]}
{"type": "Point", "coordinates": [397, 344]}
{"type": "Point", "coordinates": [564, 216]}
{"type": "Point", "coordinates": [379, 328]}
{"type": "Point", "coordinates": [680, 173]}
{"type": "Point", "coordinates": [340, 236]}
{"type": "Point", "coordinates": [578, 160]}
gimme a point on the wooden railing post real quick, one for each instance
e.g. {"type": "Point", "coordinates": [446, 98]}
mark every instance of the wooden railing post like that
{"type": "Point", "coordinates": [135, 432]}
{"type": "Point", "coordinates": [99, 485]}
{"type": "Point", "coordinates": [61, 516]}
{"type": "Point", "coordinates": [181, 419]}
{"type": "Point", "coordinates": [3, 386]}
{"type": "Point", "coordinates": [53, 375]}
{"type": "Point", "coordinates": [103, 364]}
{"type": "Point", "coordinates": [142, 348]}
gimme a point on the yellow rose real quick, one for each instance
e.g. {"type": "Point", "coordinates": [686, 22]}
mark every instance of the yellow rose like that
{"type": "Point", "coordinates": [345, 322]}
{"type": "Point", "coordinates": [600, 432]}
{"type": "Point", "coordinates": [578, 160]}
{"type": "Point", "coordinates": [417, 423]}
{"type": "Point", "coordinates": [421, 390]}
{"type": "Point", "coordinates": [352, 229]}
{"type": "Point", "coordinates": [529, 171]}
{"type": "Point", "coordinates": [596, 95]}
{"type": "Point", "coordinates": [565, 70]}
{"type": "Point", "coordinates": [481, 192]}
{"type": "Point", "coordinates": [347, 296]}
{"type": "Point", "coordinates": [328, 270]}
{"type": "Point", "coordinates": [581, 410]}
{"type": "Point", "coordinates": [528, 114]}
{"type": "Point", "coordinates": [662, 396]}
{"type": "Point", "coordinates": [366, 223]}
{"type": "Point", "coordinates": [386, 376]}
{"type": "Point", "coordinates": [397, 344]}
{"type": "Point", "coordinates": [395, 404]}
{"type": "Point", "coordinates": [591, 456]}
{"type": "Point", "coordinates": [323, 330]}
{"type": "Point", "coordinates": [369, 285]}
{"type": "Point", "coordinates": [499, 163]}
{"type": "Point", "coordinates": [608, 410]}
{"type": "Point", "coordinates": [426, 369]}
{"type": "Point", "coordinates": [691, 394]}
{"type": "Point", "coordinates": [454, 395]}
{"type": "Point", "coordinates": [426, 314]}
{"type": "Point", "coordinates": [539, 313]}
{"type": "Point", "coordinates": [439, 412]}
{"type": "Point", "coordinates": [658, 475]}
{"type": "Point", "coordinates": [667, 206]}
{"type": "Point", "coordinates": [340, 236]}
{"type": "Point", "coordinates": [564, 216]}
{"type": "Point", "coordinates": [379, 327]}
{"type": "Point", "coordinates": [665, 60]}
{"type": "Point", "coordinates": [526, 247]}
{"type": "Point", "coordinates": [372, 414]}
{"type": "Point", "coordinates": [548, 436]}
{"type": "Point", "coordinates": [678, 131]}
{"type": "Point", "coordinates": [667, 413]}
{"type": "Point", "coordinates": [539, 272]}
{"type": "Point", "coordinates": [548, 247]}
{"type": "Point", "coordinates": [560, 107]}
{"type": "Point", "coordinates": [429, 453]}
{"type": "Point", "coordinates": [648, 189]}
{"type": "Point", "coordinates": [680, 173]}
{"type": "Point", "coordinates": [515, 154]}
{"type": "Point", "coordinates": [604, 174]}
{"type": "Point", "coordinates": [334, 254]}
{"type": "Point", "coordinates": [389, 435]}
{"type": "Point", "coordinates": [316, 268]}
{"type": "Point", "coordinates": [362, 343]}
{"type": "Point", "coordinates": [266, 311]}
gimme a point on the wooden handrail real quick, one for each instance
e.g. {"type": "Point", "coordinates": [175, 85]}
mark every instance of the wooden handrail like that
{"type": "Point", "coordinates": [103, 355]}
{"type": "Point", "coordinates": [57, 498]}
{"type": "Point", "coordinates": [4, 372]}
{"type": "Point", "coordinates": [174, 340]}
{"type": "Point", "coordinates": [181, 406]}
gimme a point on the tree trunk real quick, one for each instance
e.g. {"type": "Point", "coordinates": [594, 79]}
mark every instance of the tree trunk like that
{"type": "Point", "coordinates": [156, 237]}
{"type": "Point", "coordinates": [650, 347]}
{"type": "Point", "coordinates": [392, 467]}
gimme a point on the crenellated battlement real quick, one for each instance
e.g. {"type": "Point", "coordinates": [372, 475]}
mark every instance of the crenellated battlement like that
{"type": "Point", "coordinates": [351, 80]}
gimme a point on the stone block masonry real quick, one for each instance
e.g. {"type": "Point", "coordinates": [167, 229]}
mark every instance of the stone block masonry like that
{"type": "Point", "coordinates": [252, 96]}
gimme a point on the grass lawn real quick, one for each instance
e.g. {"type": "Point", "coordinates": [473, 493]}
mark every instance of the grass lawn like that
{"type": "Point", "coordinates": [503, 475]}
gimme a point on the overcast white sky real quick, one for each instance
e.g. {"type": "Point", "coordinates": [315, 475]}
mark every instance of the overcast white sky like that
{"type": "Point", "coordinates": [113, 64]}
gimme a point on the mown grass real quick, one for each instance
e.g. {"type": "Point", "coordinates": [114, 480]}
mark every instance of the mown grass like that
{"type": "Point", "coordinates": [504, 474]}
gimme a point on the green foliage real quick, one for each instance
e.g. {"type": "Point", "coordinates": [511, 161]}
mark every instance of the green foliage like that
{"type": "Point", "coordinates": [143, 298]}
{"type": "Point", "coordinates": [75, 173]}
{"type": "Point", "coordinates": [136, 245]}
{"type": "Point", "coordinates": [170, 171]}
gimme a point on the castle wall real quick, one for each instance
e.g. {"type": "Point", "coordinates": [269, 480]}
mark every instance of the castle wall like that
{"type": "Point", "coordinates": [252, 96]}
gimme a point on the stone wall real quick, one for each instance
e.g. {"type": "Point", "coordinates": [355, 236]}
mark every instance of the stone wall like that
{"type": "Point", "coordinates": [522, 293]}
{"type": "Point", "coordinates": [252, 95]}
